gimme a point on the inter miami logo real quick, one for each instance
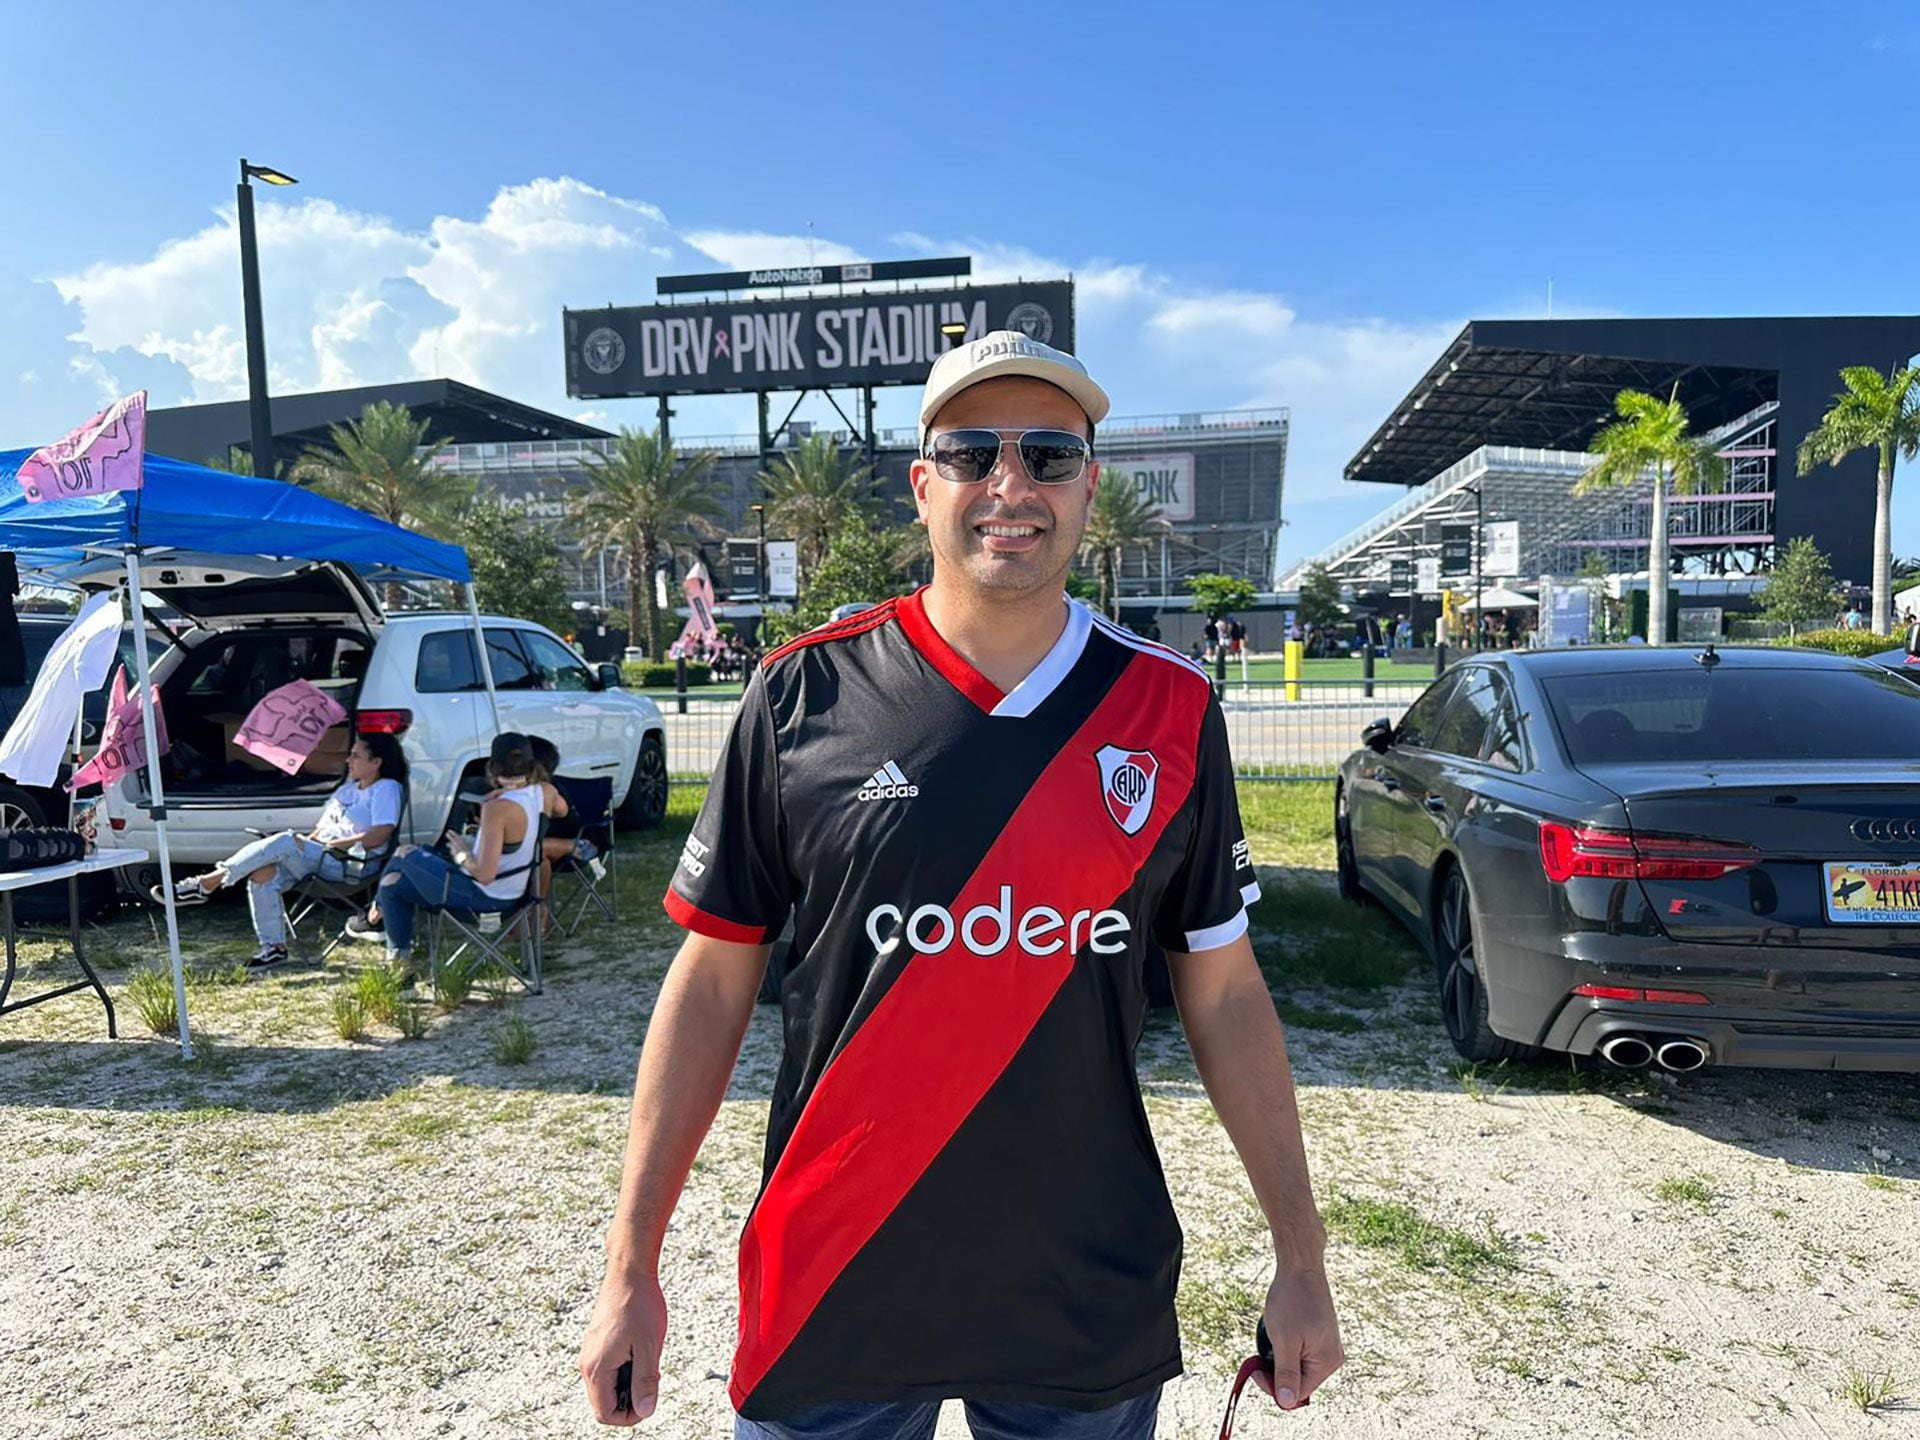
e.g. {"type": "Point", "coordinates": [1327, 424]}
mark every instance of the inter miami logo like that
{"type": "Point", "coordinates": [1126, 783]}
{"type": "Point", "coordinates": [1031, 320]}
{"type": "Point", "coordinates": [603, 350]}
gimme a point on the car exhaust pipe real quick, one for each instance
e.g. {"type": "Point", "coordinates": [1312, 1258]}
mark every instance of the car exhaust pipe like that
{"type": "Point", "coordinates": [1682, 1055]}
{"type": "Point", "coordinates": [1629, 1052]}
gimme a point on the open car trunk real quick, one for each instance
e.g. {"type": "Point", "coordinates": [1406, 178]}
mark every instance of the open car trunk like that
{"type": "Point", "coordinates": [254, 629]}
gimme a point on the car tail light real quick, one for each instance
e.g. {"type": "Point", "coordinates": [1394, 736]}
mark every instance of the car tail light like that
{"type": "Point", "coordinates": [1627, 992]}
{"type": "Point", "coordinates": [1568, 850]}
{"type": "Point", "coordinates": [118, 822]}
{"type": "Point", "coordinates": [383, 722]}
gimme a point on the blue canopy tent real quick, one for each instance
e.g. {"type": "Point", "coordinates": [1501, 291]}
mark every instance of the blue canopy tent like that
{"type": "Point", "coordinates": [100, 542]}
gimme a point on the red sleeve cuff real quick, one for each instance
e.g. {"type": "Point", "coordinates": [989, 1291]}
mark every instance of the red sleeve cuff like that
{"type": "Point", "coordinates": [690, 916]}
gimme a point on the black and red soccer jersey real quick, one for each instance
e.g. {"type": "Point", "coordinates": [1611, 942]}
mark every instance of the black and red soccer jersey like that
{"type": "Point", "coordinates": [961, 1193]}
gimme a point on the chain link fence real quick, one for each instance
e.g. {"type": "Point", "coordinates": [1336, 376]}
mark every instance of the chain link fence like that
{"type": "Point", "coordinates": [1277, 731]}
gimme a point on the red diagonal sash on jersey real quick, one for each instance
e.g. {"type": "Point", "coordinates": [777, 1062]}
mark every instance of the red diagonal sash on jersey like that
{"type": "Point", "coordinates": [953, 1020]}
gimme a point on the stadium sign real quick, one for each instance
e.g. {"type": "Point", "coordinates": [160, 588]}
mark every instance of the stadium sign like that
{"type": "Point", "coordinates": [859, 272]}
{"type": "Point", "coordinates": [809, 342]}
{"type": "Point", "coordinates": [1162, 480]}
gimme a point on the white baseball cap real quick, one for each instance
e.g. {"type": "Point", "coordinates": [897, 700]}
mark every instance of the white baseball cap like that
{"type": "Point", "coordinates": [1007, 352]}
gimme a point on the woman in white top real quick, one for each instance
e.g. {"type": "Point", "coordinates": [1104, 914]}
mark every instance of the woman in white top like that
{"type": "Point", "coordinates": [361, 815]}
{"type": "Point", "coordinates": [490, 875]}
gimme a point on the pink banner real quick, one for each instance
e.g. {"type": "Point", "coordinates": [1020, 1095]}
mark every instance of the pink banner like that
{"type": "Point", "coordinates": [700, 632]}
{"type": "Point", "coordinates": [123, 740]}
{"type": "Point", "coordinates": [107, 453]}
{"type": "Point", "coordinates": [288, 724]}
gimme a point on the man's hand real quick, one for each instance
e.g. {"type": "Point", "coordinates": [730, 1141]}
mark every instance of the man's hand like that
{"type": "Point", "coordinates": [629, 1325]}
{"type": "Point", "coordinates": [1305, 1335]}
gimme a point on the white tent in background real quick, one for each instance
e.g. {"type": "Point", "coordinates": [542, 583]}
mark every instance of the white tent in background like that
{"type": "Point", "coordinates": [1501, 598]}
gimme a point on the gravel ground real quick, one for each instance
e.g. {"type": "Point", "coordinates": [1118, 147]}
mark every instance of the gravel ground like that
{"type": "Point", "coordinates": [301, 1235]}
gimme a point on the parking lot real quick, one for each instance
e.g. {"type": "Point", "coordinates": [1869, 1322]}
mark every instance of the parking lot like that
{"type": "Point", "coordinates": [302, 1235]}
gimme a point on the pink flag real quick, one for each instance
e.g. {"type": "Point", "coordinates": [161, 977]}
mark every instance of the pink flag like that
{"type": "Point", "coordinates": [123, 740]}
{"type": "Point", "coordinates": [287, 725]}
{"type": "Point", "coordinates": [107, 453]}
{"type": "Point", "coordinates": [700, 628]}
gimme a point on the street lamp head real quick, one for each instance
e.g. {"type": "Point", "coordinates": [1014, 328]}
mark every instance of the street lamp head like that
{"type": "Point", "coordinates": [953, 329]}
{"type": "Point", "coordinates": [266, 174]}
{"type": "Point", "coordinates": [757, 509]}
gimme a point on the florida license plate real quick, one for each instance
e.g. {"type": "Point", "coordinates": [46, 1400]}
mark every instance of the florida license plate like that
{"type": "Point", "coordinates": [1872, 894]}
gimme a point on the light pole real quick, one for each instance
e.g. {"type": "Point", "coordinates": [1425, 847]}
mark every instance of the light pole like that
{"type": "Point", "coordinates": [765, 587]}
{"type": "Point", "coordinates": [1479, 571]}
{"type": "Point", "coordinates": [257, 402]}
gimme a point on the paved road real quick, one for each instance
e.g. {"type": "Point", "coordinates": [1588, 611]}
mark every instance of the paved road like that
{"type": "Point", "coordinates": [1267, 733]}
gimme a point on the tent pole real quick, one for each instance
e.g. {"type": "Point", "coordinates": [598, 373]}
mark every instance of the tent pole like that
{"type": "Point", "coordinates": [157, 795]}
{"type": "Point", "coordinates": [486, 665]}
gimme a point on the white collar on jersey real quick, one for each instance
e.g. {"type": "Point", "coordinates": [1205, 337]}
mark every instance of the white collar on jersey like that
{"type": "Point", "coordinates": [1045, 677]}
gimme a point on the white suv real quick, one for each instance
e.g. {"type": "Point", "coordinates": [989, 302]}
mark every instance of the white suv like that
{"type": "Point", "coordinates": [252, 628]}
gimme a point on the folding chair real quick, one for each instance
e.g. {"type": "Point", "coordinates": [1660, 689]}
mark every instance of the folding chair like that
{"type": "Point", "coordinates": [519, 923]}
{"type": "Point", "coordinates": [590, 806]}
{"type": "Point", "coordinates": [348, 896]}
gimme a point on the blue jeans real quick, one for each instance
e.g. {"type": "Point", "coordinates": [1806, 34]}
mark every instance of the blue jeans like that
{"type": "Point", "coordinates": [293, 860]}
{"type": "Point", "coordinates": [425, 879]}
{"type": "Point", "coordinates": [862, 1420]}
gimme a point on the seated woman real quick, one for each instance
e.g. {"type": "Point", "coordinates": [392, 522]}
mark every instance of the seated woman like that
{"type": "Point", "coordinates": [362, 813]}
{"type": "Point", "coordinates": [489, 876]}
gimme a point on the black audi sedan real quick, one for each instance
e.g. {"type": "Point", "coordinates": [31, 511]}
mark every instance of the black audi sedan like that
{"type": "Point", "coordinates": [1665, 856]}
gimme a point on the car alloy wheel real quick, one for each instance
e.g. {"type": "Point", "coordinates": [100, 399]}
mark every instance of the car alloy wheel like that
{"type": "Point", "coordinates": [1459, 972]}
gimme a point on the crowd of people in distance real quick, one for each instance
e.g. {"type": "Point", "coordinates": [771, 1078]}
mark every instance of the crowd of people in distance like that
{"type": "Point", "coordinates": [483, 870]}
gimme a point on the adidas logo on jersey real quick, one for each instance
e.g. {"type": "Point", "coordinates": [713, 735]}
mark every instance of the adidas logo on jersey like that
{"type": "Point", "coordinates": [887, 783]}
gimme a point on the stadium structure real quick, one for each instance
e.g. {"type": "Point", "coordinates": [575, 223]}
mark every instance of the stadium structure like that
{"type": "Point", "coordinates": [1497, 429]}
{"type": "Point", "coordinates": [1217, 477]}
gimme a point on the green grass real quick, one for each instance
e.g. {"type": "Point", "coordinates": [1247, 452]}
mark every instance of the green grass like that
{"type": "Point", "coordinates": [1296, 1016]}
{"type": "Point", "coordinates": [513, 1042]}
{"type": "Point", "coordinates": [1403, 1233]}
{"type": "Point", "coordinates": [1305, 934]}
{"type": "Point", "coordinates": [1288, 824]}
{"type": "Point", "coordinates": [1868, 1390]}
{"type": "Point", "coordinates": [151, 992]}
{"type": "Point", "coordinates": [349, 1014]}
{"type": "Point", "coordinates": [378, 989]}
{"type": "Point", "coordinates": [1685, 1190]}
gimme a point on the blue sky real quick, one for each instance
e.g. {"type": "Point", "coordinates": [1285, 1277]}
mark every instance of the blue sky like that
{"type": "Point", "coordinates": [1264, 204]}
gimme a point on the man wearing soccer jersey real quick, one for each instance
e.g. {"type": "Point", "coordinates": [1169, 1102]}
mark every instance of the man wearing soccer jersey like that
{"type": "Point", "coordinates": [973, 806]}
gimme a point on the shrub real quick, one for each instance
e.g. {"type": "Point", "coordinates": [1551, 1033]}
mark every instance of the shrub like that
{"type": "Point", "coordinates": [151, 992]}
{"type": "Point", "coordinates": [653, 674]}
{"type": "Point", "coordinates": [453, 984]}
{"type": "Point", "coordinates": [1859, 643]}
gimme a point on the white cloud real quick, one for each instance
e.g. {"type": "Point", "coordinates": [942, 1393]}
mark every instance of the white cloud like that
{"type": "Point", "coordinates": [757, 250]}
{"type": "Point", "coordinates": [355, 299]}
{"type": "Point", "coordinates": [50, 381]}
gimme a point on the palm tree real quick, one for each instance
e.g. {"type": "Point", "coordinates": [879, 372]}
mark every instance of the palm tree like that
{"type": "Point", "coordinates": [239, 461]}
{"type": "Point", "coordinates": [1652, 434]}
{"type": "Point", "coordinates": [812, 492]}
{"type": "Point", "coordinates": [383, 463]}
{"type": "Point", "coordinates": [1875, 412]}
{"type": "Point", "coordinates": [1117, 518]}
{"type": "Point", "coordinates": [638, 495]}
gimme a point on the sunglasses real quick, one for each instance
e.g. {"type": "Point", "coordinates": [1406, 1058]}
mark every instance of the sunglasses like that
{"type": "Point", "coordinates": [966, 457]}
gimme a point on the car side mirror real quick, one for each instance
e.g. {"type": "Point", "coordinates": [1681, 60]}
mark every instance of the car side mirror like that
{"type": "Point", "coordinates": [1913, 641]}
{"type": "Point", "coordinates": [609, 674]}
{"type": "Point", "coordinates": [1378, 736]}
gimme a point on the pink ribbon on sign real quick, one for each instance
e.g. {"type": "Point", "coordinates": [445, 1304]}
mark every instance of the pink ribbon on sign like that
{"type": "Point", "coordinates": [123, 739]}
{"type": "Point", "coordinates": [700, 627]}
{"type": "Point", "coordinates": [287, 725]}
{"type": "Point", "coordinates": [109, 452]}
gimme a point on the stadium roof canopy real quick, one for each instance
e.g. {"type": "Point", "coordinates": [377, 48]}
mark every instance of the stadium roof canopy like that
{"type": "Point", "coordinates": [455, 412]}
{"type": "Point", "coordinates": [1550, 384]}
